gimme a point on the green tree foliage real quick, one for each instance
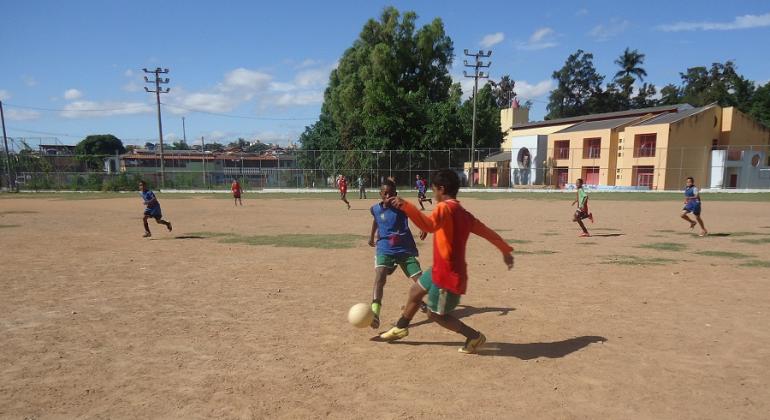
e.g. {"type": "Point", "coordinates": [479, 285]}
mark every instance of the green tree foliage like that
{"type": "Point", "coordinates": [180, 145]}
{"type": "Point", "coordinates": [488, 134]}
{"type": "Point", "coordinates": [721, 84]}
{"type": "Point", "coordinates": [92, 149]}
{"type": "Point", "coordinates": [579, 87]}
{"type": "Point", "coordinates": [760, 105]}
{"type": "Point", "coordinates": [391, 90]}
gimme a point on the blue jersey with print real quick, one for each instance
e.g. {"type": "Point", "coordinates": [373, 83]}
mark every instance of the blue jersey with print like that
{"type": "Point", "coordinates": [393, 229]}
{"type": "Point", "coordinates": [148, 196]}
{"type": "Point", "coordinates": [691, 193]}
{"type": "Point", "coordinates": [420, 184]}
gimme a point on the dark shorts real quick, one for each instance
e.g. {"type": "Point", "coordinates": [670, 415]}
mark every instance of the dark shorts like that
{"type": "Point", "coordinates": [420, 195]}
{"type": "Point", "coordinates": [692, 207]}
{"type": "Point", "coordinates": [154, 212]}
{"type": "Point", "coordinates": [580, 214]}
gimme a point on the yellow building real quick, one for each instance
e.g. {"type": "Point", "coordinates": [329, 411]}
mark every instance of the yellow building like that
{"type": "Point", "coordinates": [653, 148]}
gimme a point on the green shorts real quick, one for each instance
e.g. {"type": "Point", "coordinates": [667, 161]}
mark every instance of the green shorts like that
{"type": "Point", "coordinates": [440, 301]}
{"type": "Point", "coordinates": [408, 263]}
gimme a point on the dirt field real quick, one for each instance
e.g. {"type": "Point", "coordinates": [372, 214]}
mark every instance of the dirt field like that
{"type": "Point", "coordinates": [97, 322]}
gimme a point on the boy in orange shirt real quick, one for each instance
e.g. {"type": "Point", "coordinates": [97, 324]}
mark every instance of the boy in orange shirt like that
{"type": "Point", "coordinates": [447, 280]}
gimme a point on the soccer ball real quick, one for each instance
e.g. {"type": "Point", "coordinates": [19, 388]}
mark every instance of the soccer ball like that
{"type": "Point", "coordinates": [360, 315]}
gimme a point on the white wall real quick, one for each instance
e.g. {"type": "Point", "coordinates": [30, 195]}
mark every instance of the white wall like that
{"type": "Point", "coordinates": [537, 146]}
{"type": "Point", "coordinates": [749, 176]}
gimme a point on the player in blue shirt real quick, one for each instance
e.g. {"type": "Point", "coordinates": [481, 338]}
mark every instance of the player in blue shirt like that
{"type": "Point", "coordinates": [151, 209]}
{"type": "Point", "coordinates": [421, 187]}
{"type": "Point", "coordinates": [395, 246]}
{"type": "Point", "coordinates": [692, 205]}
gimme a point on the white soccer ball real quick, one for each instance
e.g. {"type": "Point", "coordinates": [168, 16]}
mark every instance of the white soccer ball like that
{"type": "Point", "coordinates": [360, 315]}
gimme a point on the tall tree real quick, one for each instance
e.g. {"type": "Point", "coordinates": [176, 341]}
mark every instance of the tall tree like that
{"type": "Point", "coordinates": [670, 95]}
{"type": "Point", "coordinates": [760, 105]}
{"type": "Point", "coordinates": [92, 149]}
{"type": "Point", "coordinates": [488, 134]}
{"type": "Point", "coordinates": [720, 83]}
{"type": "Point", "coordinates": [630, 63]}
{"type": "Point", "coordinates": [579, 84]}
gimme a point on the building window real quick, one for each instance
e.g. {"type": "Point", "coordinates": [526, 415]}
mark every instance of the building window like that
{"type": "Point", "coordinates": [644, 145]}
{"type": "Point", "coordinates": [592, 148]}
{"type": "Point", "coordinates": [643, 176]}
{"type": "Point", "coordinates": [590, 175]}
{"type": "Point", "coordinates": [561, 149]}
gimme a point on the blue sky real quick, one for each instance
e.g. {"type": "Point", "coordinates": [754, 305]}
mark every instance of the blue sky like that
{"type": "Point", "coordinates": [73, 68]}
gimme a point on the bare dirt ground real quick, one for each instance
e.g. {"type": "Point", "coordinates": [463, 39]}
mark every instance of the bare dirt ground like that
{"type": "Point", "coordinates": [97, 322]}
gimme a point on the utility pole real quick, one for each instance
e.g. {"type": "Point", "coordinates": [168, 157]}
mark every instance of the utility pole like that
{"type": "Point", "coordinates": [158, 90]}
{"type": "Point", "coordinates": [11, 182]}
{"type": "Point", "coordinates": [184, 133]}
{"type": "Point", "coordinates": [476, 65]}
{"type": "Point", "coordinates": [203, 155]}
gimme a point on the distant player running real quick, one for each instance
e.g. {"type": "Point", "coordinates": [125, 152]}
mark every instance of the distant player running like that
{"type": "Point", "coordinates": [692, 205]}
{"type": "Point", "coordinates": [582, 208]}
{"type": "Point", "coordinates": [421, 187]}
{"type": "Point", "coordinates": [342, 185]}
{"type": "Point", "coordinates": [151, 209]}
{"type": "Point", "coordinates": [236, 189]}
{"type": "Point", "coordinates": [395, 246]}
{"type": "Point", "coordinates": [447, 280]}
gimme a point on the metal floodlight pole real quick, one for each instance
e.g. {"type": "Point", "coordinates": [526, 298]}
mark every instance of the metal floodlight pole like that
{"type": "Point", "coordinates": [158, 81]}
{"type": "Point", "coordinates": [184, 132]}
{"type": "Point", "coordinates": [476, 65]}
{"type": "Point", "coordinates": [203, 155]}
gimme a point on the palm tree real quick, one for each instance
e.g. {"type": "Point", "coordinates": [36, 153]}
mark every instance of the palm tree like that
{"type": "Point", "coordinates": [630, 64]}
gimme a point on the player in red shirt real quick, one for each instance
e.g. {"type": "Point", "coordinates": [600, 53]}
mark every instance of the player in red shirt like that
{"type": "Point", "coordinates": [447, 280]}
{"type": "Point", "coordinates": [236, 189]}
{"type": "Point", "coordinates": [342, 184]}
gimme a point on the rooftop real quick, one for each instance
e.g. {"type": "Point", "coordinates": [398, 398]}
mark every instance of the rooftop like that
{"type": "Point", "coordinates": [599, 125]}
{"type": "Point", "coordinates": [606, 116]}
{"type": "Point", "coordinates": [669, 118]}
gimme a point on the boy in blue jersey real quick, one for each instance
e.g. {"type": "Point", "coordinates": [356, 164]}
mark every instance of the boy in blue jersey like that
{"type": "Point", "coordinates": [395, 246]}
{"type": "Point", "coordinates": [151, 209]}
{"type": "Point", "coordinates": [421, 187]}
{"type": "Point", "coordinates": [692, 205]}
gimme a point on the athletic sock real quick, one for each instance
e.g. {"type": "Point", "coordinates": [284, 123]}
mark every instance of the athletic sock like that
{"type": "Point", "coordinates": [403, 322]}
{"type": "Point", "coordinates": [376, 306]}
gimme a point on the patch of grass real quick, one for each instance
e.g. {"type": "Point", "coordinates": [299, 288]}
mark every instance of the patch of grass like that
{"type": "Point", "coordinates": [540, 252]}
{"type": "Point", "coordinates": [756, 263]}
{"type": "Point", "coordinates": [8, 226]}
{"type": "Point", "coordinates": [665, 230]}
{"type": "Point", "coordinates": [330, 241]}
{"type": "Point", "coordinates": [724, 254]}
{"type": "Point", "coordinates": [655, 236]}
{"type": "Point", "coordinates": [605, 229]}
{"type": "Point", "coordinates": [635, 260]}
{"type": "Point", "coordinates": [518, 241]}
{"type": "Point", "coordinates": [3, 213]}
{"type": "Point", "coordinates": [589, 243]}
{"type": "Point", "coordinates": [757, 241]}
{"type": "Point", "coordinates": [664, 246]}
{"type": "Point", "coordinates": [745, 233]}
{"type": "Point", "coordinates": [550, 233]}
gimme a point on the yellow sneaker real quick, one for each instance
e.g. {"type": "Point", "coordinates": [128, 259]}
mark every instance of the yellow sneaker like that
{"type": "Point", "coordinates": [472, 345]}
{"type": "Point", "coordinates": [394, 334]}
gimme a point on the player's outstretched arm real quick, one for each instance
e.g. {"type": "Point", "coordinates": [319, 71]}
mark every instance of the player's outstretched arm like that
{"type": "Point", "coordinates": [425, 223]}
{"type": "Point", "coordinates": [490, 235]}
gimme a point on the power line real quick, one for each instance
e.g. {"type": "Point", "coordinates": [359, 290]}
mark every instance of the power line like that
{"type": "Point", "coordinates": [217, 114]}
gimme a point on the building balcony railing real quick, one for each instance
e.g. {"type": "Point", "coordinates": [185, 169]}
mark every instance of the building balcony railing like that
{"type": "Point", "coordinates": [644, 152]}
{"type": "Point", "coordinates": [592, 153]}
{"type": "Point", "coordinates": [562, 153]}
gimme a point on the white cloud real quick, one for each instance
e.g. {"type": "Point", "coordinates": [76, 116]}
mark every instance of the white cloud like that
{"type": "Point", "coordinates": [582, 12]}
{"type": "Point", "coordinates": [541, 39]}
{"type": "Point", "coordinates": [527, 91]}
{"type": "Point", "coordinates": [308, 62]}
{"type": "Point", "coordinates": [209, 102]}
{"type": "Point", "coordinates": [29, 80]}
{"type": "Point", "coordinates": [72, 94]}
{"type": "Point", "coordinates": [21, 114]}
{"type": "Point", "coordinates": [4, 95]}
{"type": "Point", "coordinates": [92, 109]}
{"type": "Point", "coordinates": [128, 73]}
{"type": "Point", "coordinates": [604, 32]}
{"type": "Point", "coordinates": [298, 99]}
{"type": "Point", "coordinates": [492, 39]}
{"type": "Point", "coordinates": [242, 78]}
{"type": "Point", "coordinates": [312, 78]}
{"type": "Point", "coordinates": [740, 22]}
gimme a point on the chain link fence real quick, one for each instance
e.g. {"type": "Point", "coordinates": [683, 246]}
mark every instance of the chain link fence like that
{"type": "Point", "coordinates": [744, 167]}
